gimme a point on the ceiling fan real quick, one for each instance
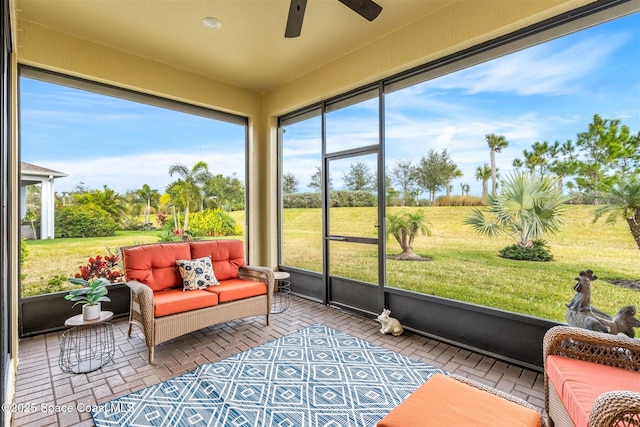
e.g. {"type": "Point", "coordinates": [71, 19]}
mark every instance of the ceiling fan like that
{"type": "Point", "coordinates": [368, 9]}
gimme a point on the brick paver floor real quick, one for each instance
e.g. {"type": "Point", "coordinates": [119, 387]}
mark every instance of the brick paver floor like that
{"type": "Point", "coordinates": [45, 390]}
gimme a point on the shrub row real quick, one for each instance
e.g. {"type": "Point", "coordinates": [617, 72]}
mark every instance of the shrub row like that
{"type": "Point", "coordinates": [459, 201]}
{"type": "Point", "coordinates": [337, 199]}
{"type": "Point", "coordinates": [302, 200]}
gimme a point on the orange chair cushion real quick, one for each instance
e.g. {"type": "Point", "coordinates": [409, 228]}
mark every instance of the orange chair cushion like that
{"type": "Point", "coordinates": [227, 256]}
{"type": "Point", "coordinates": [236, 289]}
{"type": "Point", "coordinates": [579, 383]}
{"type": "Point", "coordinates": [172, 301]}
{"type": "Point", "coordinates": [155, 265]}
{"type": "Point", "coordinates": [442, 401]}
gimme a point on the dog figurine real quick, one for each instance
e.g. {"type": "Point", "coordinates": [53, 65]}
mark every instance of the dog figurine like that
{"type": "Point", "coordinates": [389, 324]}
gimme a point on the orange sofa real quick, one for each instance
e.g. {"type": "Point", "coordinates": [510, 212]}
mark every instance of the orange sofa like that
{"type": "Point", "coordinates": [591, 378]}
{"type": "Point", "coordinates": [163, 308]}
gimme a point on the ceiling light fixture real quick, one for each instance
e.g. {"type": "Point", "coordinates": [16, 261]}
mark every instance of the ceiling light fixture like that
{"type": "Point", "coordinates": [211, 22]}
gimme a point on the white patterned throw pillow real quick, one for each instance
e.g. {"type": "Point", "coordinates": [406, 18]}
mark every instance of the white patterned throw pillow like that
{"type": "Point", "coordinates": [196, 273]}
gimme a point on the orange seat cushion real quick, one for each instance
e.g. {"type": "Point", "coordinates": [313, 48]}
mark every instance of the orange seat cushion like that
{"type": "Point", "coordinates": [227, 256]}
{"type": "Point", "coordinates": [442, 401]}
{"type": "Point", "coordinates": [236, 289]}
{"type": "Point", "coordinates": [155, 265]}
{"type": "Point", "coordinates": [579, 383]}
{"type": "Point", "coordinates": [172, 301]}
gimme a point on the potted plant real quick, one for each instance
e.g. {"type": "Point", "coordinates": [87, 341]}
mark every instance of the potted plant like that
{"type": "Point", "coordinates": [91, 294]}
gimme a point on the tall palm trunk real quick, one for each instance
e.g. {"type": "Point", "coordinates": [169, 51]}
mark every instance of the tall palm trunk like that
{"type": "Point", "coordinates": [176, 224]}
{"type": "Point", "coordinates": [634, 226]}
{"type": "Point", "coordinates": [186, 221]}
{"type": "Point", "coordinates": [494, 175]}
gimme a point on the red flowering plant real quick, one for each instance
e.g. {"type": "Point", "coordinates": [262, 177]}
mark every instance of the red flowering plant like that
{"type": "Point", "coordinates": [101, 267]}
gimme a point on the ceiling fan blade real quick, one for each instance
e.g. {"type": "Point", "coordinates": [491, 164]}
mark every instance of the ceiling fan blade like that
{"type": "Point", "coordinates": [294, 21]}
{"type": "Point", "coordinates": [368, 9]}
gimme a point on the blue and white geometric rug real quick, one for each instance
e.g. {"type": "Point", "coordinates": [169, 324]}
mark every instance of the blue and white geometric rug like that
{"type": "Point", "coordinates": [314, 377]}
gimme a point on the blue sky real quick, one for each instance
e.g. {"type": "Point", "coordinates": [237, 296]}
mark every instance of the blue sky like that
{"type": "Point", "coordinates": [101, 140]}
{"type": "Point", "coordinates": [546, 92]}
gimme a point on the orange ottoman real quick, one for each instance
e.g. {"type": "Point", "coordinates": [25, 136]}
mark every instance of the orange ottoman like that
{"type": "Point", "coordinates": [445, 401]}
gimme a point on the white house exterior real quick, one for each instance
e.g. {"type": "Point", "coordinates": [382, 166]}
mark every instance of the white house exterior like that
{"type": "Point", "coordinates": [30, 175]}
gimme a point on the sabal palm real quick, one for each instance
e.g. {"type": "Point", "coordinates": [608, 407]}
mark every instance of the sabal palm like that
{"type": "Point", "coordinates": [404, 227]}
{"type": "Point", "coordinates": [526, 209]}
{"type": "Point", "coordinates": [496, 144]}
{"type": "Point", "coordinates": [483, 173]}
{"type": "Point", "coordinates": [624, 200]}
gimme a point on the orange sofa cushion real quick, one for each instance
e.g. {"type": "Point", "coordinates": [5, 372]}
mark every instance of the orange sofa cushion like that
{"type": "Point", "coordinates": [155, 265]}
{"type": "Point", "coordinates": [579, 383]}
{"type": "Point", "coordinates": [172, 301]}
{"type": "Point", "coordinates": [443, 401]}
{"type": "Point", "coordinates": [235, 289]}
{"type": "Point", "coordinates": [227, 256]}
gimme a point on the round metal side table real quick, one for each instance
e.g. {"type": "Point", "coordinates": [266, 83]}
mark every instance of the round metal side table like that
{"type": "Point", "coordinates": [88, 345]}
{"type": "Point", "coordinates": [281, 295]}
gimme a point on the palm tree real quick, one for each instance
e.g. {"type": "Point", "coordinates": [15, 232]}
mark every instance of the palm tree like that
{"type": "Point", "coordinates": [496, 144]}
{"type": "Point", "coordinates": [517, 163]}
{"type": "Point", "coordinates": [107, 200]}
{"type": "Point", "coordinates": [526, 208]}
{"type": "Point", "coordinates": [483, 173]}
{"type": "Point", "coordinates": [404, 226]}
{"type": "Point", "coordinates": [190, 190]}
{"type": "Point", "coordinates": [451, 172]}
{"type": "Point", "coordinates": [151, 197]}
{"type": "Point", "coordinates": [624, 200]}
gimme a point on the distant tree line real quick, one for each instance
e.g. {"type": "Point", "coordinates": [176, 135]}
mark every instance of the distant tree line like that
{"type": "Point", "coordinates": [104, 210]}
{"type": "Point", "coordinates": [604, 155]}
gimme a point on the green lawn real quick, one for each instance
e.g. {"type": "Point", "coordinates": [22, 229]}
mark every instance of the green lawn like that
{"type": "Point", "coordinates": [465, 266]}
{"type": "Point", "coordinates": [55, 260]}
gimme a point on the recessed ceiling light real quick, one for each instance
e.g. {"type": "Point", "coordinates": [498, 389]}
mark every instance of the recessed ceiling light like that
{"type": "Point", "coordinates": [211, 22]}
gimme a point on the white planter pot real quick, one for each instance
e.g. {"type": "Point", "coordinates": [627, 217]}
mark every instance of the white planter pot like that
{"type": "Point", "coordinates": [91, 312]}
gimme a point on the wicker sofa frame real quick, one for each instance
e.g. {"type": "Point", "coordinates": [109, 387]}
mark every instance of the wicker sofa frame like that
{"type": "Point", "coordinates": [614, 408]}
{"type": "Point", "coordinates": [157, 330]}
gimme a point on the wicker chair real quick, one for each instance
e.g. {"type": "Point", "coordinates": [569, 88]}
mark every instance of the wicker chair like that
{"type": "Point", "coordinates": [615, 408]}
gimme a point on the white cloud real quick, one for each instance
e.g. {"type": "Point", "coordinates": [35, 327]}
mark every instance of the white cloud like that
{"type": "Point", "coordinates": [547, 69]}
{"type": "Point", "coordinates": [130, 172]}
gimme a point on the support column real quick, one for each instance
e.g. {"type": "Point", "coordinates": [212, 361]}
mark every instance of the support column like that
{"type": "Point", "coordinates": [47, 204]}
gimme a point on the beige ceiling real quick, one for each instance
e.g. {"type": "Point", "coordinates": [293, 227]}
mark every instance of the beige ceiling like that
{"type": "Point", "coordinates": [250, 49]}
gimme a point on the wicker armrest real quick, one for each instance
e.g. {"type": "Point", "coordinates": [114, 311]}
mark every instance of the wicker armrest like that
{"type": "Point", "coordinates": [261, 274]}
{"type": "Point", "coordinates": [597, 347]}
{"type": "Point", "coordinates": [141, 292]}
{"type": "Point", "coordinates": [141, 311]}
{"type": "Point", "coordinates": [613, 350]}
{"type": "Point", "coordinates": [615, 407]}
